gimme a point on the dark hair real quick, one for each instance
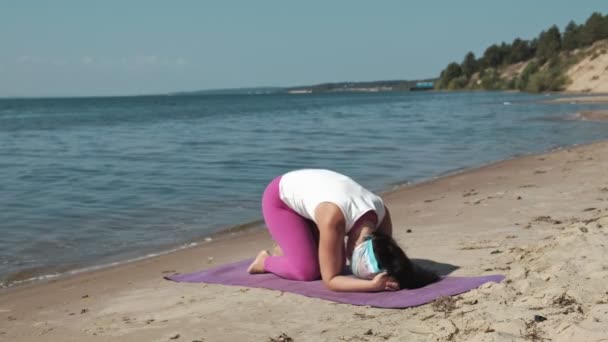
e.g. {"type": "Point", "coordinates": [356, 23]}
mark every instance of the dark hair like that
{"type": "Point", "coordinates": [393, 260]}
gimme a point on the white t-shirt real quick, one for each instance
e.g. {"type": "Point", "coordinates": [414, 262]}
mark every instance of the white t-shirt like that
{"type": "Point", "coordinates": [304, 190]}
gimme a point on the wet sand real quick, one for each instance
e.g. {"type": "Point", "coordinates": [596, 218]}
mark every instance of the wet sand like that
{"type": "Point", "coordinates": [596, 115]}
{"type": "Point", "coordinates": [596, 98]}
{"type": "Point", "coordinates": [590, 115]}
{"type": "Point", "coordinates": [541, 220]}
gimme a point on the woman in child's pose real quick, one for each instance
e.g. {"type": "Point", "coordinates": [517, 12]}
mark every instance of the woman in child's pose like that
{"type": "Point", "coordinates": [310, 213]}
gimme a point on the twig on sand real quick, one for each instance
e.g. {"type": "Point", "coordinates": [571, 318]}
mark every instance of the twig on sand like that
{"type": "Point", "coordinates": [533, 332]}
{"type": "Point", "coordinates": [281, 338]}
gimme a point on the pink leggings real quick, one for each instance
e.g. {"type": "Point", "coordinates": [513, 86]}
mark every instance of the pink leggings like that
{"type": "Point", "coordinates": [297, 236]}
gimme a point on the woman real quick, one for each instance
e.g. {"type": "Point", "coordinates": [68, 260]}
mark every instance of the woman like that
{"type": "Point", "coordinates": [310, 213]}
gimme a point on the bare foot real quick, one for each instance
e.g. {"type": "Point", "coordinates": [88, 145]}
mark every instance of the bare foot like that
{"type": "Point", "coordinates": [277, 251]}
{"type": "Point", "coordinates": [257, 266]}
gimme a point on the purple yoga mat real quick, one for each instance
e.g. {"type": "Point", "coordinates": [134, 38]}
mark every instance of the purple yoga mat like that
{"type": "Point", "coordinates": [236, 274]}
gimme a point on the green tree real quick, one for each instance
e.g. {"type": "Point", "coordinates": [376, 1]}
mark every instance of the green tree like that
{"type": "Point", "coordinates": [469, 65]}
{"type": "Point", "coordinates": [595, 28]}
{"type": "Point", "coordinates": [458, 83]}
{"type": "Point", "coordinates": [520, 51]}
{"type": "Point", "coordinates": [493, 56]}
{"type": "Point", "coordinates": [549, 44]}
{"type": "Point", "coordinates": [524, 78]}
{"type": "Point", "coordinates": [571, 39]}
{"type": "Point", "coordinates": [452, 71]}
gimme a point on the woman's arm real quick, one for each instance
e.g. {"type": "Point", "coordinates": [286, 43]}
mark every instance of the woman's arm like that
{"type": "Point", "coordinates": [386, 226]}
{"type": "Point", "coordinates": [330, 221]}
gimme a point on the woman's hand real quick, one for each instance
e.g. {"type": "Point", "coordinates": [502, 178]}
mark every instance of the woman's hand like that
{"type": "Point", "coordinates": [383, 282]}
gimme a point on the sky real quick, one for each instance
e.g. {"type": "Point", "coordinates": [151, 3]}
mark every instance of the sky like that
{"type": "Point", "coordinates": [136, 47]}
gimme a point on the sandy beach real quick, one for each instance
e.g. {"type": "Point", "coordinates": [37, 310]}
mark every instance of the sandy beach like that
{"type": "Point", "coordinates": [541, 220]}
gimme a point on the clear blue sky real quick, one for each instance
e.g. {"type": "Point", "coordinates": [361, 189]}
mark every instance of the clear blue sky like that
{"type": "Point", "coordinates": [108, 47]}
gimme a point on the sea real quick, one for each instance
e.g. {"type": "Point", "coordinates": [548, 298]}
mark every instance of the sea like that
{"type": "Point", "coordinates": [91, 182]}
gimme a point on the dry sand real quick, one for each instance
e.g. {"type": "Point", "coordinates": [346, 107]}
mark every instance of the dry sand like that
{"type": "Point", "coordinates": [541, 220]}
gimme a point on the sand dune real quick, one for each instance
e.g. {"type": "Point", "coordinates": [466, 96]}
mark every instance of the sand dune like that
{"type": "Point", "coordinates": [591, 73]}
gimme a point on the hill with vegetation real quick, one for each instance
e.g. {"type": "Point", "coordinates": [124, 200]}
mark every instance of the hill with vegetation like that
{"type": "Point", "coordinates": [553, 61]}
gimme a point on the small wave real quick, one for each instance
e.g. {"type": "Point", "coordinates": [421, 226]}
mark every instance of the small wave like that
{"type": "Point", "coordinates": [45, 277]}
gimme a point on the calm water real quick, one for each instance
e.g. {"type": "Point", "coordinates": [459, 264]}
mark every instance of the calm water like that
{"type": "Point", "coordinates": [96, 180]}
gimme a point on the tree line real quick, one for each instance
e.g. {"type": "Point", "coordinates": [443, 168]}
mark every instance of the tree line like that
{"type": "Point", "coordinates": [547, 56]}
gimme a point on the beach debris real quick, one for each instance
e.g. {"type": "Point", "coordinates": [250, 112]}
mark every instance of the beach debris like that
{"type": "Point", "coordinates": [281, 338]}
{"type": "Point", "coordinates": [604, 189]}
{"type": "Point", "coordinates": [589, 209]}
{"type": "Point", "coordinates": [445, 304]}
{"type": "Point", "coordinates": [384, 336]}
{"type": "Point", "coordinates": [427, 317]}
{"type": "Point", "coordinates": [480, 244]}
{"type": "Point", "coordinates": [583, 229]}
{"type": "Point", "coordinates": [568, 302]}
{"type": "Point", "coordinates": [547, 219]}
{"type": "Point", "coordinates": [533, 332]}
{"type": "Point", "coordinates": [496, 251]}
{"type": "Point", "coordinates": [83, 311]}
{"type": "Point", "coordinates": [85, 296]}
{"type": "Point", "coordinates": [369, 332]}
{"type": "Point", "coordinates": [539, 318]}
{"type": "Point", "coordinates": [471, 302]}
{"type": "Point", "coordinates": [168, 271]}
{"type": "Point", "coordinates": [208, 239]}
{"type": "Point", "coordinates": [148, 321]}
{"type": "Point", "coordinates": [175, 337]}
{"type": "Point", "coordinates": [408, 231]}
{"type": "Point", "coordinates": [453, 333]}
{"type": "Point", "coordinates": [592, 220]}
{"type": "Point", "coordinates": [519, 197]}
{"type": "Point", "coordinates": [363, 315]}
{"type": "Point", "coordinates": [471, 192]}
{"type": "Point", "coordinates": [539, 172]}
{"type": "Point", "coordinates": [12, 318]}
{"type": "Point", "coordinates": [209, 260]}
{"type": "Point", "coordinates": [529, 186]}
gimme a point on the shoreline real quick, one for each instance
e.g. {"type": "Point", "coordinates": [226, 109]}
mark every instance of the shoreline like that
{"type": "Point", "coordinates": [33, 278]}
{"type": "Point", "coordinates": [597, 115]}
{"type": "Point", "coordinates": [532, 218]}
{"type": "Point", "coordinates": [236, 232]}
{"type": "Point", "coordinates": [12, 281]}
{"type": "Point", "coordinates": [578, 98]}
